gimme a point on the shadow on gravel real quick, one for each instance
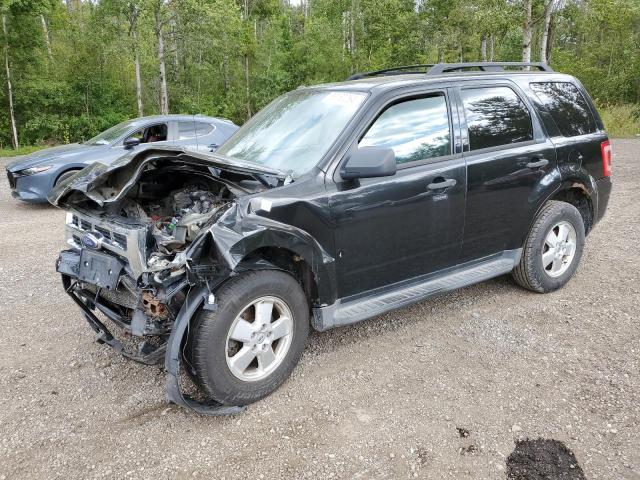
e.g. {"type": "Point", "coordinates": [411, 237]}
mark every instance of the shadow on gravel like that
{"type": "Point", "coordinates": [543, 459]}
{"type": "Point", "coordinates": [31, 207]}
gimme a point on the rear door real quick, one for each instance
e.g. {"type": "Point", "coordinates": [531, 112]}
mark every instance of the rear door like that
{"type": "Point", "coordinates": [572, 124]}
{"type": "Point", "coordinates": [395, 228]}
{"type": "Point", "coordinates": [511, 166]}
{"type": "Point", "coordinates": [197, 135]}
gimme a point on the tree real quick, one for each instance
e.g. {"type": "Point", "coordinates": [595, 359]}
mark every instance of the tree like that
{"type": "Point", "coordinates": [158, 12]}
{"type": "Point", "coordinates": [527, 30]}
{"type": "Point", "coordinates": [12, 118]}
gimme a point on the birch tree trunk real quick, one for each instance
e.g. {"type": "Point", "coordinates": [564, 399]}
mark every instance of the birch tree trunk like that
{"type": "Point", "coordinates": [47, 36]}
{"type": "Point", "coordinates": [491, 47]}
{"type": "Point", "coordinates": [483, 48]}
{"type": "Point", "coordinates": [12, 119]}
{"type": "Point", "coordinates": [164, 97]}
{"type": "Point", "coordinates": [527, 31]}
{"type": "Point", "coordinates": [246, 65]}
{"type": "Point", "coordinates": [136, 55]}
{"type": "Point", "coordinates": [544, 40]}
{"type": "Point", "coordinates": [133, 32]}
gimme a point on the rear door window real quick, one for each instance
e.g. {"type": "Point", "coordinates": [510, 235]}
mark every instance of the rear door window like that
{"type": "Point", "coordinates": [495, 117]}
{"type": "Point", "coordinates": [186, 130]}
{"type": "Point", "coordinates": [203, 128]}
{"type": "Point", "coordinates": [416, 129]}
{"type": "Point", "coordinates": [567, 106]}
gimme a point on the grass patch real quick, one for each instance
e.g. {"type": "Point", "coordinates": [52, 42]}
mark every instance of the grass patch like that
{"type": "Point", "coordinates": [10, 152]}
{"type": "Point", "coordinates": [621, 121]}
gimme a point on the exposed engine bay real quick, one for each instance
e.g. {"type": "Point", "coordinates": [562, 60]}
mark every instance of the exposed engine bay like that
{"type": "Point", "coordinates": [150, 239]}
{"type": "Point", "coordinates": [175, 216]}
{"type": "Point", "coordinates": [144, 236]}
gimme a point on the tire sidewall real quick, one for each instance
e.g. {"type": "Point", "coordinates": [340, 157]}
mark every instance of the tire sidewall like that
{"type": "Point", "coordinates": [64, 176]}
{"type": "Point", "coordinates": [212, 331]}
{"type": "Point", "coordinates": [568, 213]}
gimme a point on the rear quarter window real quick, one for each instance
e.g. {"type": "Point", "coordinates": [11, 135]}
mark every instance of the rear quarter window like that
{"type": "Point", "coordinates": [567, 106]}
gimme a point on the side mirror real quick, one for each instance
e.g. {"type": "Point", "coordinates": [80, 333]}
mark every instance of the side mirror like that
{"type": "Point", "coordinates": [369, 162]}
{"type": "Point", "coordinates": [131, 142]}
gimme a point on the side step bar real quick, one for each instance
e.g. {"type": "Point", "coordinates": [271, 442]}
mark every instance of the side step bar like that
{"type": "Point", "coordinates": [416, 290]}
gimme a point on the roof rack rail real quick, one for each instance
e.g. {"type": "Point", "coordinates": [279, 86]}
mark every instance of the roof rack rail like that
{"type": "Point", "coordinates": [394, 71]}
{"type": "Point", "coordinates": [440, 68]}
{"type": "Point", "coordinates": [485, 66]}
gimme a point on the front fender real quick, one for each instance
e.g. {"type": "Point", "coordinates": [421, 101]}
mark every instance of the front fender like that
{"type": "Point", "coordinates": [236, 235]}
{"type": "Point", "coordinates": [197, 298]}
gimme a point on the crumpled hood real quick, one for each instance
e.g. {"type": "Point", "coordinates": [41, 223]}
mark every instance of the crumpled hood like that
{"type": "Point", "coordinates": [93, 181]}
{"type": "Point", "coordinates": [55, 155]}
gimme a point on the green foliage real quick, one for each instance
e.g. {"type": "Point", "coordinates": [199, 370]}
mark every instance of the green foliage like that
{"type": "Point", "coordinates": [621, 120]}
{"type": "Point", "coordinates": [212, 46]}
{"type": "Point", "coordinates": [10, 152]}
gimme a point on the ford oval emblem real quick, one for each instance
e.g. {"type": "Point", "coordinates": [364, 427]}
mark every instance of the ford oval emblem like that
{"type": "Point", "coordinates": [92, 240]}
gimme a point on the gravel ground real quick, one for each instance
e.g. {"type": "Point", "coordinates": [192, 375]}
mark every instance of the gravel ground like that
{"type": "Point", "coordinates": [442, 389]}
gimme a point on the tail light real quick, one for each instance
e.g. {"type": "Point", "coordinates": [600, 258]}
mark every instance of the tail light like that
{"type": "Point", "coordinates": [605, 149]}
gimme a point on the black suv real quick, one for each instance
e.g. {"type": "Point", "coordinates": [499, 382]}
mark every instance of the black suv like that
{"type": "Point", "coordinates": [334, 204]}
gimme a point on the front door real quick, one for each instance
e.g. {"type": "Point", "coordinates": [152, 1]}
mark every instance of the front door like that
{"type": "Point", "coordinates": [392, 229]}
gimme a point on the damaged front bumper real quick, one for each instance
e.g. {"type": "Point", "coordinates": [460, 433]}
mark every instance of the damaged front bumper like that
{"type": "Point", "coordinates": [83, 268]}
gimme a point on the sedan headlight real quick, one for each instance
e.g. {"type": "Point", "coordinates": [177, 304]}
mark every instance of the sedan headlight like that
{"type": "Point", "coordinates": [34, 170]}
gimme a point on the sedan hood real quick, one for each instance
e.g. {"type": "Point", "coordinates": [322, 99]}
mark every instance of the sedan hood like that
{"type": "Point", "coordinates": [56, 155]}
{"type": "Point", "coordinates": [109, 183]}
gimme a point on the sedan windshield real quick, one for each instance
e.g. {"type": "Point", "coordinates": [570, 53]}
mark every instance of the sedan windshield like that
{"type": "Point", "coordinates": [295, 130]}
{"type": "Point", "coordinates": [113, 133]}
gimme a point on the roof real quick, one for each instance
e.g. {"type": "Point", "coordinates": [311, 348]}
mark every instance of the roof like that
{"type": "Point", "coordinates": [443, 73]}
{"type": "Point", "coordinates": [181, 117]}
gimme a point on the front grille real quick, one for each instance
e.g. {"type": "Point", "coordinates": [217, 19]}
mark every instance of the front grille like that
{"type": "Point", "coordinates": [12, 180]}
{"type": "Point", "coordinates": [116, 239]}
{"type": "Point", "coordinates": [120, 240]}
{"type": "Point", "coordinates": [105, 233]}
{"type": "Point", "coordinates": [126, 241]}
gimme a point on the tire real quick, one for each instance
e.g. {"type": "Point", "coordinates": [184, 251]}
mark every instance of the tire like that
{"type": "Point", "coordinates": [212, 348]}
{"type": "Point", "coordinates": [534, 272]}
{"type": "Point", "coordinates": [64, 176]}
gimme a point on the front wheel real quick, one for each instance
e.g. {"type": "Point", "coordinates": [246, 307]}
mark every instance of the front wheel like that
{"type": "Point", "coordinates": [553, 248]}
{"type": "Point", "coordinates": [248, 347]}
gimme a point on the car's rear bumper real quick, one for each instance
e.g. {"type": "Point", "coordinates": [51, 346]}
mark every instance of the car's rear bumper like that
{"type": "Point", "coordinates": [604, 192]}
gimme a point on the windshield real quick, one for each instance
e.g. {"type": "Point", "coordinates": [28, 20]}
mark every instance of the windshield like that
{"type": "Point", "coordinates": [295, 130]}
{"type": "Point", "coordinates": [113, 133]}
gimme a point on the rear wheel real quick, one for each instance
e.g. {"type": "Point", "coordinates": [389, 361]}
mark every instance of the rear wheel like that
{"type": "Point", "coordinates": [553, 248]}
{"type": "Point", "coordinates": [248, 347]}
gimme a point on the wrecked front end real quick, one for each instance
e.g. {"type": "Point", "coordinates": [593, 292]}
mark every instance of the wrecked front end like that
{"type": "Point", "coordinates": [141, 257]}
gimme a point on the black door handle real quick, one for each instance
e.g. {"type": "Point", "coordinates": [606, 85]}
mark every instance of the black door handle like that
{"type": "Point", "coordinates": [538, 163]}
{"type": "Point", "coordinates": [442, 183]}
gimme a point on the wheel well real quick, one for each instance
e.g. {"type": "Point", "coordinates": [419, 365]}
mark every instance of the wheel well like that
{"type": "Point", "coordinates": [65, 172]}
{"type": "Point", "coordinates": [580, 199]}
{"type": "Point", "coordinates": [294, 264]}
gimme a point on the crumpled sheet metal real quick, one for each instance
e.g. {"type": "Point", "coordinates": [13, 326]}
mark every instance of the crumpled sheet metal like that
{"type": "Point", "coordinates": [236, 234]}
{"type": "Point", "coordinates": [129, 167]}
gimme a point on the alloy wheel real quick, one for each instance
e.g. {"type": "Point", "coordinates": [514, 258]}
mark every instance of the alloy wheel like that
{"type": "Point", "coordinates": [559, 249]}
{"type": "Point", "coordinates": [259, 338]}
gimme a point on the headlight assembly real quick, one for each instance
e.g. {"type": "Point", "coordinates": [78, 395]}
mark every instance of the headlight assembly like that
{"type": "Point", "coordinates": [34, 170]}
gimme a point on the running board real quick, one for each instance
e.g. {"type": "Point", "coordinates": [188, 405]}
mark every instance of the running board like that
{"type": "Point", "coordinates": [407, 293]}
